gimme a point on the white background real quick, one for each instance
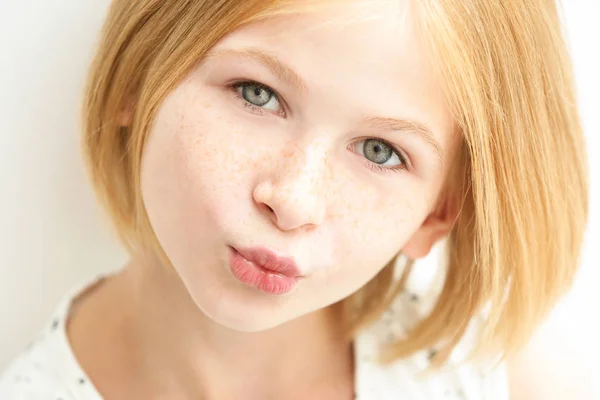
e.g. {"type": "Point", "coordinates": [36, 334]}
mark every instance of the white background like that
{"type": "Point", "coordinates": [52, 233]}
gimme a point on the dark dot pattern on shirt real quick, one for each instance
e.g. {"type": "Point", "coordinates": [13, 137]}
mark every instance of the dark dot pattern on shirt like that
{"type": "Point", "coordinates": [431, 354]}
{"type": "Point", "coordinates": [55, 324]}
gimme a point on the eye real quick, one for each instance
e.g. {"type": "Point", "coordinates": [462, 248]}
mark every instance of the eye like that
{"type": "Point", "coordinates": [258, 95]}
{"type": "Point", "coordinates": [381, 155]}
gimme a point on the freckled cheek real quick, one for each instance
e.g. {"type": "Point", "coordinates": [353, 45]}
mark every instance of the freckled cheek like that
{"type": "Point", "coordinates": [216, 170]}
{"type": "Point", "coordinates": [373, 230]}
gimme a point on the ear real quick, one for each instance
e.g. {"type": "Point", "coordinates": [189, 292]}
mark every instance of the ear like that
{"type": "Point", "coordinates": [436, 226]}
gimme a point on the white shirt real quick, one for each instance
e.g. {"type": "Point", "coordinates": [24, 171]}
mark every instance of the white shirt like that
{"type": "Point", "coordinates": [48, 369]}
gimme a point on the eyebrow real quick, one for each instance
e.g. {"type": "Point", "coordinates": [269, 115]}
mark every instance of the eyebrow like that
{"type": "Point", "coordinates": [403, 125]}
{"type": "Point", "coordinates": [277, 67]}
{"type": "Point", "coordinates": [285, 73]}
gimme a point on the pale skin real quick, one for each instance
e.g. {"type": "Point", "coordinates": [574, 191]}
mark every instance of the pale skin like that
{"type": "Point", "coordinates": [294, 174]}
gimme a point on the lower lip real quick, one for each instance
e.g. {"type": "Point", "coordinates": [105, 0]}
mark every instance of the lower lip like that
{"type": "Point", "coordinates": [256, 276]}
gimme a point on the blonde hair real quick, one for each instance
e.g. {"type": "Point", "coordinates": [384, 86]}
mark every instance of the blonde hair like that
{"type": "Point", "coordinates": [521, 172]}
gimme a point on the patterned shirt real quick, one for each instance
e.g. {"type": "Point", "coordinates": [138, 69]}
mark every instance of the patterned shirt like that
{"type": "Point", "coordinates": [48, 369]}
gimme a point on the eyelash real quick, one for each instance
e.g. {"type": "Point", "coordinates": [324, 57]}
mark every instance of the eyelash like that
{"type": "Point", "coordinates": [404, 166]}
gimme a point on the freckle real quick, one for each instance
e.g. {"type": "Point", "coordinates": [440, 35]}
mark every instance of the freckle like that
{"type": "Point", "coordinates": [287, 153]}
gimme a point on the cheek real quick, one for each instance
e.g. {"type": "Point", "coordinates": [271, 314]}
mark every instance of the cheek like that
{"type": "Point", "coordinates": [370, 229]}
{"type": "Point", "coordinates": [382, 230]}
{"type": "Point", "coordinates": [189, 179]}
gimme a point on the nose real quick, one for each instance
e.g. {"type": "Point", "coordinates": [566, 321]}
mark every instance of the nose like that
{"type": "Point", "coordinates": [292, 196]}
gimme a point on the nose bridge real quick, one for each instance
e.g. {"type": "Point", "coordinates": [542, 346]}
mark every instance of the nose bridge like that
{"type": "Point", "coordinates": [295, 192]}
{"type": "Point", "coordinates": [303, 167]}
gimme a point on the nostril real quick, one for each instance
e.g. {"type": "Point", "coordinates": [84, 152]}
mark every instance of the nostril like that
{"type": "Point", "coordinates": [266, 208]}
{"type": "Point", "coordinates": [269, 212]}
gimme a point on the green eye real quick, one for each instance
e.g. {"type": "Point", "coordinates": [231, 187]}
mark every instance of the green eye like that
{"type": "Point", "coordinates": [377, 151]}
{"type": "Point", "coordinates": [381, 155]}
{"type": "Point", "coordinates": [258, 95]}
{"type": "Point", "coordinates": [255, 94]}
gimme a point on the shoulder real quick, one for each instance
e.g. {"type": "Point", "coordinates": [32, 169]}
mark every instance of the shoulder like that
{"type": "Point", "coordinates": [47, 369]}
{"type": "Point", "coordinates": [33, 375]}
{"type": "Point", "coordinates": [410, 376]}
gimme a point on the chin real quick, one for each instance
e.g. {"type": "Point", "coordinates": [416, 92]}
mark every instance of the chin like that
{"type": "Point", "coordinates": [241, 313]}
{"type": "Point", "coordinates": [249, 325]}
{"type": "Point", "coordinates": [244, 321]}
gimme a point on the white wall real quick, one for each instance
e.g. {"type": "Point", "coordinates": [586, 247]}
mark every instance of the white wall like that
{"type": "Point", "coordinates": [51, 231]}
{"type": "Point", "coordinates": [577, 316]}
{"type": "Point", "coordinates": [52, 234]}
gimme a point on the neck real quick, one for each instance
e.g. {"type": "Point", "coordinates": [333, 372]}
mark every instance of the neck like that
{"type": "Point", "coordinates": [181, 350]}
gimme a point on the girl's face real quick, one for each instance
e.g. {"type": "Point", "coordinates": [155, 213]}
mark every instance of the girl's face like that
{"type": "Point", "coordinates": [323, 137]}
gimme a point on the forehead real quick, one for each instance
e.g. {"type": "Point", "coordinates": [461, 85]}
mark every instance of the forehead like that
{"type": "Point", "coordinates": [375, 34]}
{"type": "Point", "coordinates": [360, 56]}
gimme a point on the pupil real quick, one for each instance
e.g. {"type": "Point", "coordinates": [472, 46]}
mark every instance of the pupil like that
{"type": "Point", "coordinates": [377, 152]}
{"type": "Point", "coordinates": [256, 95]}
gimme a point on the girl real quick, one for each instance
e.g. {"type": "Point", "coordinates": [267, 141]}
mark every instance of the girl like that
{"type": "Point", "coordinates": [275, 167]}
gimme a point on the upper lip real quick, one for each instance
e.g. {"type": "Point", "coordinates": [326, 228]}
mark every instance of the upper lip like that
{"type": "Point", "coordinates": [268, 259]}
